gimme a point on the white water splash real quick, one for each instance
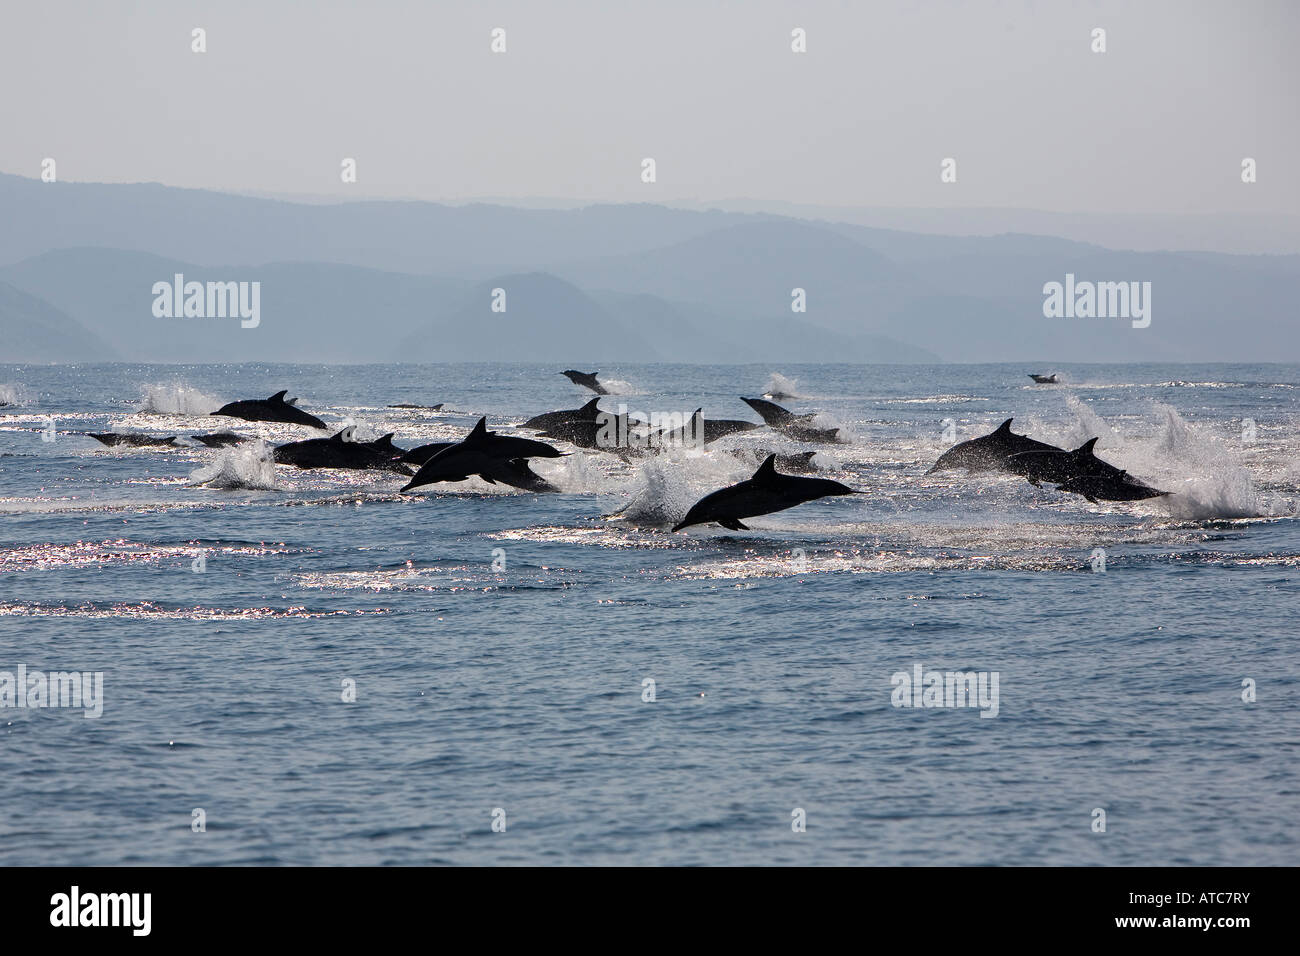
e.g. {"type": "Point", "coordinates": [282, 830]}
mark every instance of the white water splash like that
{"type": "Point", "coordinates": [616, 386]}
{"type": "Point", "coordinates": [778, 384]}
{"type": "Point", "coordinates": [13, 395]}
{"type": "Point", "coordinates": [177, 400]}
{"type": "Point", "coordinates": [250, 466]}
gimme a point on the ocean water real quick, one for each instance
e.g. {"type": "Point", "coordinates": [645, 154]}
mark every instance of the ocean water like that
{"type": "Point", "coordinates": [500, 642]}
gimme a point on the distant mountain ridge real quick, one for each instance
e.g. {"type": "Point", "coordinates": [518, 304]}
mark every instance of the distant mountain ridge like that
{"type": "Point", "coordinates": [414, 281]}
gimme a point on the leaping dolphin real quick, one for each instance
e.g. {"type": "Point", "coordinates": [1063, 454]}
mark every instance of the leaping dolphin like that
{"type": "Point", "coordinates": [703, 429]}
{"type": "Point", "coordinates": [1057, 466]}
{"type": "Point", "coordinates": [585, 379]}
{"type": "Point", "coordinates": [494, 458]}
{"type": "Point", "coordinates": [1082, 472]}
{"type": "Point", "coordinates": [797, 427]}
{"type": "Point", "coordinates": [220, 439]}
{"type": "Point", "coordinates": [1044, 379]}
{"type": "Point", "coordinates": [989, 452]}
{"type": "Point", "coordinates": [587, 413]}
{"type": "Point", "coordinates": [342, 451]}
{"type": "Point", "coordinates": [766, 492]}
{"type": "Point", "coordinates": [133, 439]}
{"type": "Point", "coordinates": [273, 409]}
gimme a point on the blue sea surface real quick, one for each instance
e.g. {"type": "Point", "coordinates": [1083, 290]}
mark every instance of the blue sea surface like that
{"type": "Point", "coordinates": [501, 643]}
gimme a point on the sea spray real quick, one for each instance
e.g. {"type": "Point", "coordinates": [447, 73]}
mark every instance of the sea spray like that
{"type": "Point", "coordinates": [176, 400]}
{"type": "Point", "coordinates": [779, 385]}
{"type": "Point", "coordinates": [12, 395]}
{"type": "Point", "coordinates": [250, 466]}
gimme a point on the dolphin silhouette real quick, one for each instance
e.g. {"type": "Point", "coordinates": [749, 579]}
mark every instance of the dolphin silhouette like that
{"type": "Point", "coordinates": [766, 492]}
{"type": "Point", "coordinates": [1057, 466]}
{"type": "Point", "coordinates": [585, 379]}
{"type": "Point", "coordinates": [494, 458]}
{"type": "Point", "coordinates": [797, 427]}
{"type": "Point", "coordinates": [273, 409]}
{"type": "Point", "coordinates": [133, 439]}
{"type": "Point", "coordinates": [343, 451]}
{"type": "Point", "coordinates": [1082, 472]}
{"type": "Point", "coordinates": [587, 413]}
{"type": "Point", "coordinates": [220, 439]}
{"type": "Point", "coordinates": [701, 428]}
{"type": "Point", "coordinates": [1044, 379]}
{"type": "Point", "coordinates": [989, 452]}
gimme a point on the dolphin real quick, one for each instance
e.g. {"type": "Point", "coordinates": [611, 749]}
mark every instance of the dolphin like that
{"type": "Point", "coordinates": [431, 408]}
{"type": "Point", "coordinates": [342, 451]}
{"type": "Point", "coordinates": [766, 492]}
{"type": "Point", "coordinates": [594, 432]}
{"type": "Point", "coordinates": [1044, 379]}
{"type": "Point", "coordinates": [710, 429]}
{"type": "Point", "coordinates": [273, 409]}
{"type": "Point", "coordinates": [134, 439]}
{"type": "Point", "coordinates": [585, 379]}
{"type": "Point", "coordinates": [989, 452]}
{"type": "Point", "coordinates": [1057, 466]}
{"type": "Point", "coordinates": [1082, 472]}
{"type": "Point", "coordinates": [773, 414]}
{"type": "Point", "coordinates": [587, 413]}
{"type": "Point", "coordinates": [219, 439]}
{"type": "Point", "coordinates": [494, 458]}
{"type": "Point", "coordinates": [797, 427]}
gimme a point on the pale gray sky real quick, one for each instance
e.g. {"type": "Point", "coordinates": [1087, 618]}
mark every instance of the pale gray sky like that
{"type": "Point", "coordinates": [710, 89]}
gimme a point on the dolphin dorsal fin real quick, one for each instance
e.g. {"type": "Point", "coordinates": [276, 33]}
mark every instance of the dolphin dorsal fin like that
{"type": "Point", "coordinates": [278, 396]}
{"type": "Point", "coordinates": [345, 435]}
{"type": "Point", "coordinates": [1005, 427]}
{"type": "Point", "coordinates": [767, 470]}
{"type": "Point", "coordinates": [479, 432]}
{"type": "Point", "coordinates": [385, 441]}
{"type": "Point", "coordinates": [591, 408]}
{"type": "Point", "coordinates": [1086, 447]}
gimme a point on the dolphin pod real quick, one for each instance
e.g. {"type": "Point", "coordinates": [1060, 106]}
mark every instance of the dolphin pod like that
{"type": "Point", "coordinates": [766, 492]}
{"type": "Point", "coordinates": [504, 459]}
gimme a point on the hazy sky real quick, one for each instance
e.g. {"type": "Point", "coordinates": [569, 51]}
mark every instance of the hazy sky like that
{"type": "Point", "coordinates": [709, 89]}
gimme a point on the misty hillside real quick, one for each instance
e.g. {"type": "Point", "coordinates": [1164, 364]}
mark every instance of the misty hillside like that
{"type": "Point", "coordinates": [33, 331]}
{"type": "Point", "coordinates": [379, 281]}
